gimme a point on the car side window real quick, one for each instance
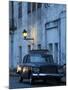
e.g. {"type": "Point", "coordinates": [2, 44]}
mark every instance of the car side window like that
{"type": "Point", "coordinates": [26, 59]}
{"type": "Point", "coordinates": [48, 59]}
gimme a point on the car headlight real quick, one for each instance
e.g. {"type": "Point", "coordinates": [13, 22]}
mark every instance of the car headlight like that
{"type": "Point", "coordinates": [35, 70]}
{"type": "Point", "coordinates": [60, 70]}
{"type": "Point", "coordinates": [25, 69]}
{"type": "Point", "coordinates": [18, 68]}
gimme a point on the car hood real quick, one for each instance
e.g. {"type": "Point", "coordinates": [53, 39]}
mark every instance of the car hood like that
{"type": "Point", "coordinates": [43, 67]}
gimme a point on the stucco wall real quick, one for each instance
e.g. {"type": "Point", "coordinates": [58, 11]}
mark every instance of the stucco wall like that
{"type": "Point", "coordinates": [36, 29]}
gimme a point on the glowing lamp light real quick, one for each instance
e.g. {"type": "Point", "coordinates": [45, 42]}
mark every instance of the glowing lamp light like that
{"type": "Point", "coordinates": [24, 33]}
{"type": "Point", "coordinates": [18, 68]}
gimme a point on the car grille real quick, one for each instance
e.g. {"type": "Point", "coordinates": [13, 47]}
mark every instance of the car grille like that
{"type": "Point", "coordinates": [48, 69]}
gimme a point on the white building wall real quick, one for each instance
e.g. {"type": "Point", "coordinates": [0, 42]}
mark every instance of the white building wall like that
{"type": "Point", "coordinates": [63, 36]}
{"type": "Point", "coordinates": [37, 31]}
{"type": "Point", "coordinates": [10, 61]}
{"type": "Point", "coordinates": [52, 36]}
{"type": "Point", "coordinates": [18, 38]}
{"type": "Point", "coordinates": [22, 24]}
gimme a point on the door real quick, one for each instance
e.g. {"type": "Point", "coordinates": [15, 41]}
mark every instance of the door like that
{"type": "Point", "coordinates": [51, 48]}
{"type": "Point", "coordinates": [56, 52]}
{"type": "Point", "coordinates": [20, 54]}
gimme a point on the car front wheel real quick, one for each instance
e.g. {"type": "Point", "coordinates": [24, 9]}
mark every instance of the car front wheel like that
{"type": "Point", "coordinates": [31, 80]}
{"type": "Point", "coordinates": [20, 79]}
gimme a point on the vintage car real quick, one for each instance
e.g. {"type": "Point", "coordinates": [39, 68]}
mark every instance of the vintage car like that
{"type": "Point", "coordinates": [39, 64]}
{"type": "Point", "coordinates": [63, 79]}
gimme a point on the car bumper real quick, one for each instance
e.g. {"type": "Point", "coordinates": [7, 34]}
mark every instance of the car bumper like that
{"type": "Point", "coordinates": [44, 75]}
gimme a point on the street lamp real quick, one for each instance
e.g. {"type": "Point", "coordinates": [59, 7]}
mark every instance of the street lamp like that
{"type": "Point", "coordinates": [24, 33]}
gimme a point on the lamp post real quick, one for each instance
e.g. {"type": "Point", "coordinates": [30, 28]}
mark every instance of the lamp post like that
{"type": "Point", "coordinates": [24, 33]}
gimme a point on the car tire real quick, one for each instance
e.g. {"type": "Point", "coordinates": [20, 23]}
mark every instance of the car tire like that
{"type": "Point", "coordinates": [58, 80]}
{"type": "Point", "coordinates": [31, 80]}
{"type": "Point", "coordinates": [20, 79]}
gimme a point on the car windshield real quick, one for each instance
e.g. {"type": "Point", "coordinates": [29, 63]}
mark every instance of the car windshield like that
{"type": "Point", "coordinates": [37, 58]}
{"type": "Point", "coordinates": [41, 59]}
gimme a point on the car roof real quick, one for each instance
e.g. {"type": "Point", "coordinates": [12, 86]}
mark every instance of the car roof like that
{"type": "Point", "coordinates": [41, 52]}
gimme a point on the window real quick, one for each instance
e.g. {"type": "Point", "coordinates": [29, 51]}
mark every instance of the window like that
{"type": "Point", "coordinates": [20, 10]}
{"type": "Point", "coordinates": [51, 48]}
{"type": "Point", "coordinates": [39, 5]}
{"type": "Point", "coordinates": [39, 46]}
{"type": "Point", "coordinates": [20, 54]}
{"type": "Point", "coordinates": [46, 5]}
{"type": "Point", "coordinates": [37, 58]}
{"type": "Point", "coordinates": [51, 24]}
{"type": "Point", "coordinates": [29, 7]}
{"type": "Point", "coordinates": [26, 58]}
{"type": "Point", "coordinates": [56, 52]}
{"type": "Point", "coordinates": [29, 48]}
{"type": "Point", "coordinates": [32, 6]}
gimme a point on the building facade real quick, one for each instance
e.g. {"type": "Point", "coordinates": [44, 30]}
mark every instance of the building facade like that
{"type": "Point", "coordinates": [45, 23]}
